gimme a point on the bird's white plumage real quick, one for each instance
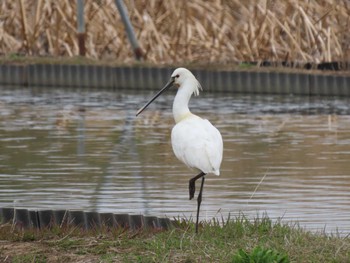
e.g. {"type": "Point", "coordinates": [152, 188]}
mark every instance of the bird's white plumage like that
{"type": "Point", "coordinates": [198, 144]}
{"type": "Point", "coordinates": [195, 141]}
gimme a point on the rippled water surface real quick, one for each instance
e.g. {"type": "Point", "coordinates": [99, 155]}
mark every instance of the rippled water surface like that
{"type": "Point", "coordinates": [85, 149]}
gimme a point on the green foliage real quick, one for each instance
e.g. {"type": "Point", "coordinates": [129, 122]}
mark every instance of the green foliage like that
{"type": "Point", "coordinates": [28, 236]}
{"type": "Point", "coordinates": [245, 65]}
{"type": "Point", "coordinates": [260, 255]}
{"type": "Point", "coordinates": [69, 243]}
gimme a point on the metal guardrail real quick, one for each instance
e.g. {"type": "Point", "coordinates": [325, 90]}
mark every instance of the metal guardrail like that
{"type": "Point", "coordinates": [95, 76]}
{"type": "Point", "coordinates": [87, 220]}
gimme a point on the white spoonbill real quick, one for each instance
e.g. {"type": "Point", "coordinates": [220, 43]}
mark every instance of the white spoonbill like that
{"type": "Point", "coordinates": [195, 141]}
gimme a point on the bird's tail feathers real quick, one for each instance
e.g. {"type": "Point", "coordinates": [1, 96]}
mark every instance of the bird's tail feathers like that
{"type": "Point", "coordinates": [217, 172]}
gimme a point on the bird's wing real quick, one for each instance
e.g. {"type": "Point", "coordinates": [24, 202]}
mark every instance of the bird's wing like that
{"type": "Point", "coordinates": [198, 144]}
{"type": "Point", "coordinates": [214, 147]}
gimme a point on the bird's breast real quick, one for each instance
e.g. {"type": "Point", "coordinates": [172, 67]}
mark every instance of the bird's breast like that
{"type": "Point", "coordinates": [198, 144]}
{"type": "Point", "coordinates": [181, 117]}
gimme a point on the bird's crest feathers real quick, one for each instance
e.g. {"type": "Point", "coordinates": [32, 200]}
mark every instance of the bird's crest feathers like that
{"type": "Point", "coordinates": [182, 74]}
{"type": "Point", "coordinates": [199, 87]}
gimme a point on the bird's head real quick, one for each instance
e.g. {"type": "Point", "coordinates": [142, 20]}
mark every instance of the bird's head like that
{"type": "Point", "coordinates": [182, 75]}
{"type": "Point", "coordinates": [179, 78]}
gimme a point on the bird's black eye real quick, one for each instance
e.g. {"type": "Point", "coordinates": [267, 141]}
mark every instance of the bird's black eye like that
{"type": "Point", "coordinates": [177, 76]}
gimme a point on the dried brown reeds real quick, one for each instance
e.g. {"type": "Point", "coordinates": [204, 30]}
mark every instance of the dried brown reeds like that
{"type": "Point", "coordinates": [220, 31]}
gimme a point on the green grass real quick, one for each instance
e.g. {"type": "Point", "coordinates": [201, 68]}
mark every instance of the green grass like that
{"type": "Point", "coordinates": [239, 240]}
{"type": "Point", "coordinates": [30, 257]}
{"type": "Point", "coordinates": [261, 255]}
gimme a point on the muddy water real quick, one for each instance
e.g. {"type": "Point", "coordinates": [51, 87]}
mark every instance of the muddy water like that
{"type": "Point", "coordinates": [288, 157]}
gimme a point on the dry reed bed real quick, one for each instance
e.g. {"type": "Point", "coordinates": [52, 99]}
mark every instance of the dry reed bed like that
{"type": "Point", "coordinates": [217, 31]}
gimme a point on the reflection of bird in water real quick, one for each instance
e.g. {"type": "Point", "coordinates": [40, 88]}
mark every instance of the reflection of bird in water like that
{"type": "Point", "coordinates": [196, 142]}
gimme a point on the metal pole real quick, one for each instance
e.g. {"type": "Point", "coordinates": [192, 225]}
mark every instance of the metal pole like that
{"type": "Point", "coordinates": [129, 29]}
{"type": "Point", "coordinates": [81, 27]}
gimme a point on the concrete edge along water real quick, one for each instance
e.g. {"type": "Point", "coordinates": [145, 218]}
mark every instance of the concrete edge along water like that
{"type": "Point", "coordinates": [26, 218]}
{"type": "Point", "coordinates": [151, 78]}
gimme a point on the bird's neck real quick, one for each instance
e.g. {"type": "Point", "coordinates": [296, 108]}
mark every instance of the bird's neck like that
{"type": "Point", "coordinates": [180, 105]}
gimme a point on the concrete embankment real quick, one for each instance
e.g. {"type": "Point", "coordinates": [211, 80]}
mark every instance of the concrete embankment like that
{"type": "Point", "coordinates": [141, 78]}
{"type": "Point", "coordinates": [87, 220]}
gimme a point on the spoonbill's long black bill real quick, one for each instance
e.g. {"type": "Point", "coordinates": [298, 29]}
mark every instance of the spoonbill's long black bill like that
{"type": "Point", "coordinates": [168, 85]}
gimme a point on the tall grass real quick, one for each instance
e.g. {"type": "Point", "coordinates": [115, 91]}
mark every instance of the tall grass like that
{"type": "Point", "coordinates": [220, 31]}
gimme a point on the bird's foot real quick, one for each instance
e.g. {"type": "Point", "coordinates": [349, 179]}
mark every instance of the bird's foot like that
{"type": "Point", "coordinates": [192, 188]}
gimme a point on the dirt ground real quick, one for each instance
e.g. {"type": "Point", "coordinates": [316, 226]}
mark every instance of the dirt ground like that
{"type": "Point", "coordinates": [41, 251]}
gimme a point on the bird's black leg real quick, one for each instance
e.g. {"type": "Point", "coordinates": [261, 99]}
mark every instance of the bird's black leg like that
{"type": "Point", "coordinates": [192, 185]}
{"type": "Point", "coordinates": [199, 201]}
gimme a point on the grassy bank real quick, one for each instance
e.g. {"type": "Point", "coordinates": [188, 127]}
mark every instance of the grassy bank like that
{"type": "Point", "coordinates": [237, 240]}
{"type": "Point", "coordinates": [236, 66]}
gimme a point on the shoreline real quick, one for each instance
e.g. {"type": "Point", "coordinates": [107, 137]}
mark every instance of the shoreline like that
{"type": "Point", "coordinates": [246, 79]}
{"type": "Point", "coordinates": [47, 218]}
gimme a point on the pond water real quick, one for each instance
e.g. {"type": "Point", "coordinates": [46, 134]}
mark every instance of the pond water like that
{"type": "Point", "coordinates": [288, 157]}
